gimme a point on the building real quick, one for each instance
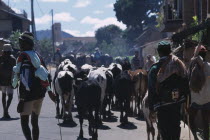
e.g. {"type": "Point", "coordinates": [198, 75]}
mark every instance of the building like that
{"type": "Point", "coordinates": [11, 21]}
{"type": "Point", "coordinates": [178, 14]}
{"type": "Point", "coordinates": [57, 32]}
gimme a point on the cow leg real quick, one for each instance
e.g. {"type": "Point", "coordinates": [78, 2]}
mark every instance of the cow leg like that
{"type": "Point", "coordinates": [192, 115]}
{"type": "Point", "coordinates": [121, 111]}
{"type": "Point", "coordinates": [80, 111]}
{"type": "Point", "coordinates": [148, 130]}
{"type": "Point", "coordinates": [152, 131]}
{"type": "Point", "coordinates": [126, 105]}
{"type": "Point", "coordinates": [64, 109]}
{"type": "Point", "coordinates": [70, 107]}
{"type": "Point", "coordinates": [95, 126]}
{"type": "Point", "coordinates": [109, 104]}
{"type": "Point", "coordinates": [57, 105]}
{"type": "Point", "coordinates": [90, 120]}
{"type": "Point", "coordinates": [205, 116]}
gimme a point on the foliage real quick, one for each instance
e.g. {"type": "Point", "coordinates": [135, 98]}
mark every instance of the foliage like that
{"type": "Point", "coordinates": [14, 39]}
{"type": "Point", "coordinates": [45, 48]}
{"type": "Point", "coordinates": [136, 14]}
{"type": "Point", "coordinates": [197, 36]}
{"type": "Point", "coordinates": [159, 20]}
{"type": "Point", "coordinates": [107, 33]}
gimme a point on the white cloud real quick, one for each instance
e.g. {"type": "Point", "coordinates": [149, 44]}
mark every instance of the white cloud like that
{"type": "Point", "coordinates": [97, 23]}
{"type": "Point", "coordinates": [111, 5]}
{"type": "Point", "coordinates": [17, 10]}
{"type": "Point", "coordinates": [54, 0]}
{"type": "Point", "coordinates": [82, 3]}
{"type": "Point", "coordinates": [79, 34]}
{"type": "Point", "coordinates": [66, 17]}
{"type": "Point", "coordinates": [98, 12]}
{"type": "Point", "coordinates": [59, 17]}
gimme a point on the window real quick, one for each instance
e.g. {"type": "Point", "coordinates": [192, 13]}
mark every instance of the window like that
{"type": "Point", "coordinates": [174, 8]}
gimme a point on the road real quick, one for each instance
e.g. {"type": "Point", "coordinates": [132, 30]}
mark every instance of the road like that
{"type": "Point", "coordinates": [49, 128]}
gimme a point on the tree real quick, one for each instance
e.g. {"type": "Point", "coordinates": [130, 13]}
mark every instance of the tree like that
{"type": "Point", "coordinates": [14, 39]}
{"type": "Point", "coordinates": [135, 14]}
{"type": "Point", "coordinates": [107, 34]}
{"type": "Point", "coordinates": [45, 49]}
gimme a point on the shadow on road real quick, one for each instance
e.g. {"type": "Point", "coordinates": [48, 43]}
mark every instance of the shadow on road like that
{"type": "Point", "coordinates": [128, 126]}
{"type": "Point", "coordinates": [82, 138]}
{"type": "Point", "coordinates": [104, 127]}
{"type": "Point", "coordinates": [11, 119]}
{"type": "Point", "coordinates": [69, 124]}
{"type": "Point", "coordinates": [112, 119]}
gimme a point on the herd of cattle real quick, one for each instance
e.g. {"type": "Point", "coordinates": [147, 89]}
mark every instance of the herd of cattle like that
{"type": "Point", "coordinates": [97, 89]}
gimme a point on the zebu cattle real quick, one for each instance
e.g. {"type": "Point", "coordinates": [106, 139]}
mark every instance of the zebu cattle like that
{"type": "Point", "coordinates": [140, 80]}
{"type": "Point", "coordinates": [123, 89]}
{"type": "Point", "coordinates": [149, 119]}
{"type": "Point", "coordinates": [88, 96]}
{"type": "Point", "coordinates": [99, 76]}
{"type": "Point", "coordinates": [64, 87]}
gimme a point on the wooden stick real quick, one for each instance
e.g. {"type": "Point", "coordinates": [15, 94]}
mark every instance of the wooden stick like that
{"type": "Point", "coordinates": [188, 117]}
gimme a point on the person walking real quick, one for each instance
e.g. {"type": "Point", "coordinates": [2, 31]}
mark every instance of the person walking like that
{"type": "Point", "coordinates": [168, 89]}
{"type": "Point", "coordinates": [149, 62]}
{"type": "Point", "coordinates": [135, 62]}
{"type": "Point", "coordinates": [7, 62]}
{"type": "Point", "coordinates": [30, 71]}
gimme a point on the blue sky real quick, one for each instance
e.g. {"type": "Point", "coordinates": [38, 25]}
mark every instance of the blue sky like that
{"type": "Point", "coordinates": [78, 17]}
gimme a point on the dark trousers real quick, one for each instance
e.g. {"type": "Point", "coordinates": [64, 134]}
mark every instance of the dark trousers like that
{"type": "Point", "coordinates": [169, 118]}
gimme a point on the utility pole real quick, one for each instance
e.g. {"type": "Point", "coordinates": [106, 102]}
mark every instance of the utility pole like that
{"type": "Point", "coordinates": [32, 20]}
{"type": "Point", "coordinates": [53, 38]}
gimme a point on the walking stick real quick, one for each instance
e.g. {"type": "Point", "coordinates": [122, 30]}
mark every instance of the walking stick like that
{"type": "Point", "coordinates": [188, 117]}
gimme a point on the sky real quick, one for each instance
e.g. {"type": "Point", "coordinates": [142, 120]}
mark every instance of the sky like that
{"type": "Point", "coordinates": [77, 17]}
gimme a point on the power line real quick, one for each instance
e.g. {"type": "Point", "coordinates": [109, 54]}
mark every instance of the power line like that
{"type": "Point", "coordinates": [40, 8]}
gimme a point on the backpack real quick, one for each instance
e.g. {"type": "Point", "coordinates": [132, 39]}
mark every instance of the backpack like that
{"type": "Point", "coordinates": [30, 84]}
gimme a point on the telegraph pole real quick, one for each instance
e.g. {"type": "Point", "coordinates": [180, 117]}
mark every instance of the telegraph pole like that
{"type": "Point", "coordinates": [53, 38]}
{"type": "Point", "coordinates": [32, 20]}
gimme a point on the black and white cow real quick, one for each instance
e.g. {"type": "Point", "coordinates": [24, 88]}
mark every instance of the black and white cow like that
{"type": "Point", "coordinates": [64, 87]}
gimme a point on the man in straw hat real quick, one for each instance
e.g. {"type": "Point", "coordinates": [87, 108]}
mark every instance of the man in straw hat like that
{"type": "Point", "coordinates": [7, 62]}
{"type": "Point", "coordinates": [31, 71]}
{"type": "Point", "coordinates": [168, 88]}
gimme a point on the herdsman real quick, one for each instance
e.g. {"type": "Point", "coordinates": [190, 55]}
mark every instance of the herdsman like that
{"type": "Point", "coordinates": [199, 73]}
{"type": "Point", "coordinates": [7, 62]}
{"type": "Point", "coordinates": [168, 88]}
{"type": "Point", "coordinates": [30, 70]}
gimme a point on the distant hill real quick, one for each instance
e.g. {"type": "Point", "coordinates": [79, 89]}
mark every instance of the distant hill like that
{"type": "Point", "coordinates": [47, 34]}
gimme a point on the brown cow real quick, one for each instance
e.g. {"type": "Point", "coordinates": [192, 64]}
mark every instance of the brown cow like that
{"type": "Point", "coordinates": [140, 81]}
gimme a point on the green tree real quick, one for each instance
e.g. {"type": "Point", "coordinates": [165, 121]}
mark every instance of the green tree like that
{"type": "Point", "coordinates": [136, 14]}
{"type": "Point", "coordinates": [14, 39]}
{"type": "Point", "coordinates": [45, 48]}
{"type": "Point", "coordinates": [107, 34]}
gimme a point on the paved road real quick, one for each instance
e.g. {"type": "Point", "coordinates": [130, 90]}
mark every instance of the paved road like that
{"type": "Point", "coordinates": [49, 130]}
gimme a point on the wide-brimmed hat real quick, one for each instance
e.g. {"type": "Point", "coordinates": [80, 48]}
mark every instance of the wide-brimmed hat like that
{"type": "Point", "coordinates": [7, 48]}
{"type": "Point", "coordinates": [27, 36]}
